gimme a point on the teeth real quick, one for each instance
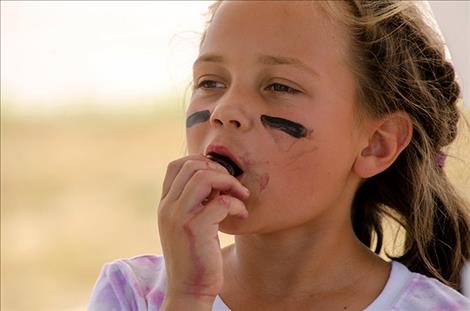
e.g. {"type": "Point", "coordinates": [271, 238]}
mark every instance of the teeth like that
{"type": "Point", "coordinates": [231, 167]}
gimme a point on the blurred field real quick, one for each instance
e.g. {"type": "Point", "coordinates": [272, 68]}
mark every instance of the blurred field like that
{"type": "Point", "coordinates": [81, 189]}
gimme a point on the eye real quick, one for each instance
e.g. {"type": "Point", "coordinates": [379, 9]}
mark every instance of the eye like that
{"type": "Point", "coordinates": [210, 84]}
{"type": "Point", "coordinates": [277, 87]}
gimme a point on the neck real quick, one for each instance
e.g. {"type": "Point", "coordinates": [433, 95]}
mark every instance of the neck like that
{"type": "Point", "coordinates": [321, 262]}
{"type": "Point", "coordinates": [272, 263]}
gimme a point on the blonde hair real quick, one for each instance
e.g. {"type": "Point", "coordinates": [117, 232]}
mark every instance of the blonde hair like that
{"type": "Point", "coordinates": [400, 65]}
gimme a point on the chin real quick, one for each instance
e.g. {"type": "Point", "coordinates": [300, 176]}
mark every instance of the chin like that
{"type": "Point", "coordinates": [234, 225]}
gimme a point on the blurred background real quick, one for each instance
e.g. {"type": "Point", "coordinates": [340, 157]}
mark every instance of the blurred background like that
{"type": "Point", "coordinates": [92, 110]}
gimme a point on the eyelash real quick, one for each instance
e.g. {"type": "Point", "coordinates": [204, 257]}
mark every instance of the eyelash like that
{"type": "Point", "coordinates": [290, 90]}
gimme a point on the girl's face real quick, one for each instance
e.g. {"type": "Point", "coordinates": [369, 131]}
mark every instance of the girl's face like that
{"type": "Point", "coordinates": [272, 86]}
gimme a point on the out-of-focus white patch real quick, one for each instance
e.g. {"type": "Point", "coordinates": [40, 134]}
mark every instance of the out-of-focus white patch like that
{"type": "Point", "coordinates": [451, 19]}
{"type": "Point", "coordinates": [103, 53]}
{"type": "Point", "coordinates": [466, 279]}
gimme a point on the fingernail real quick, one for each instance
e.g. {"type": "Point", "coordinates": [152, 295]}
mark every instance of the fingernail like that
{"type": "Point", "coordinates": [245, 189]}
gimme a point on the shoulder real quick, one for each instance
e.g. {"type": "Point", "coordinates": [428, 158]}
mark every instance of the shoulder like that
{"type": "Point", "coordinates": [425, 293]}
{"type": "Point", "coordinates": [136, 283]}
{"type": "Point", "coordinates": [410, 291]}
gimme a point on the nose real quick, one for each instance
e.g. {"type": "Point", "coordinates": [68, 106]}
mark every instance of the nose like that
{"type": "Point", "coordinates": [230, 112]}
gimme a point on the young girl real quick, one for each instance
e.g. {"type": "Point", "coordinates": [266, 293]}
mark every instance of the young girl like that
{"type": "Point", "coordinates": [309, 123]}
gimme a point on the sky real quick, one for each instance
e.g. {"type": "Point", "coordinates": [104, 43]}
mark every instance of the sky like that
{"type": "Point", "coordinates": [101, 52]}
{"type": "Point", "coordinates": [108, 53]}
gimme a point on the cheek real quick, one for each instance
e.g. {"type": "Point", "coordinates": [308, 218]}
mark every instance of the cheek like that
{"type": "Point", "coordinates": [299, 177]}
{"type": "Point", "coordinates": [283, 142]}
{"type": "Point", "coordinates": [292, 175]}
{"type": "Point", "coordinates": [313, 174]}
{"type": "Point", "coordinates": [195, 138]}
{"type": "Point", "coordinates": [299, 195]}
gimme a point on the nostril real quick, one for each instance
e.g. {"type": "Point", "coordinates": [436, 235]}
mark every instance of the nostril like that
{"type": "Point", "coordinates": [236, 123]}
{"type": "Point", "coordinates": [218, 122]}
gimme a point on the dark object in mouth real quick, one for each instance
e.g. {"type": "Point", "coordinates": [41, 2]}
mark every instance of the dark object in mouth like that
{"type": "Point", "coordinates": [231, 167]}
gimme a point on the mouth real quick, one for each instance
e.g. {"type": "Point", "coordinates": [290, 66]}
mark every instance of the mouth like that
{"type": "Point", "coordinates": [226, 162]}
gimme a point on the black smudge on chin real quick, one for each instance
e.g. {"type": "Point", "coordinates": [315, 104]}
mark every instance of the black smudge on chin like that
{"type": "Point", "coordinates": [290, 127]}
{"type": "Point", "coordinates": [198, 117]}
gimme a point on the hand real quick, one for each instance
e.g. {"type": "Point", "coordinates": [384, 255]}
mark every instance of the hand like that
{"type": "Point", "coordinates": [197, 195]}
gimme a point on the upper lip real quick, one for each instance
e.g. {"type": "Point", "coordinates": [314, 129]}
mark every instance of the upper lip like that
{"type": "Point", "coordinates": [223, 150]}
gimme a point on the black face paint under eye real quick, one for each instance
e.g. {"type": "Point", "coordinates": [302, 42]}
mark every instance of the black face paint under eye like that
{"type": "Point", "coordinates": [198, 117]}
{"type": "Point", "coordinates": [290, 127]}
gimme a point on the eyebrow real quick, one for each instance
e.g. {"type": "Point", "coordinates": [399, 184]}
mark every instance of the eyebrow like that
{"type": "Point", "coordinates": [262, 59]}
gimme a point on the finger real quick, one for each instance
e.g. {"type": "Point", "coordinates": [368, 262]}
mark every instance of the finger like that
{"type": "Point", "coordinates": [187, 170]}
{"type": "Point", "coordinates": [216, 211]}
{"type": "Point", "coordinates": [203, 182]}
{"type": "Point", "coordinates": [174, 168]}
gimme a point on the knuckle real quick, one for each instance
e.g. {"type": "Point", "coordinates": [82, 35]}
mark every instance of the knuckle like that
{"type": "Point", "coordinates": [213, 165]}
{"type": "Point", "coordinates": [173, 165]}
{"type": "Point", "coordinates": [224, 201]}
{"type": "Point", "coordinates": [200, 176]}
{"type": "Point", "coordinates": [189, 164]}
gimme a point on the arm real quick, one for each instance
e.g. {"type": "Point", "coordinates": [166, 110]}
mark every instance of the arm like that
{"type": "Point", "coordinates": [174, 303]}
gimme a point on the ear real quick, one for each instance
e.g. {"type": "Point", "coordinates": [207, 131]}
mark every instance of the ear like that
{"type": "Point", "coordinates": [387, 137]}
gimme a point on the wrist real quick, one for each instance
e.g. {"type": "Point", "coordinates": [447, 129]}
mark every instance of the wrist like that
{"type": "Point", "coordinates": [187, 302]}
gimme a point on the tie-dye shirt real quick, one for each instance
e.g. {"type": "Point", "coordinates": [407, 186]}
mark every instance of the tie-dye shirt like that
{"type": "Point", "coordinates": [139, 283]}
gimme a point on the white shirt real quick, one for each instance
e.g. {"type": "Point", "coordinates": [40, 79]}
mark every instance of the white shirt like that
{"type": "Point", "coordinates": [139, 283]}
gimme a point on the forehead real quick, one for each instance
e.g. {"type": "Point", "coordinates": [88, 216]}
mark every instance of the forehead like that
{"type": "Point", "coordinates": [297, 29]}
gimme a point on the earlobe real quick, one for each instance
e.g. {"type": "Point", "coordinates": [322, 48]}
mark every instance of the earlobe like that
{"type": "Point", "coordinates": [387, 139]}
